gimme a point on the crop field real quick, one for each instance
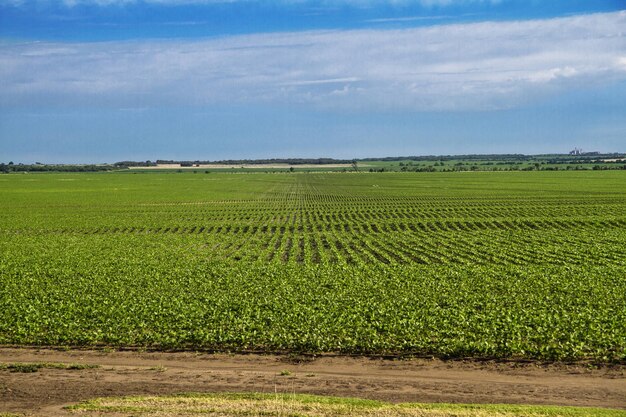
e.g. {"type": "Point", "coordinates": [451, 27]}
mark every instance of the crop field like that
{"type": "Point", "coordinates": [482, 264]}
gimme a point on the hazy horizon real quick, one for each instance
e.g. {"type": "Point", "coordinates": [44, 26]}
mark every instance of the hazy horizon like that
{"type": "Point", "coordinates": [312, 158]}
{"type": "Point", "coordinates": [93, 81]}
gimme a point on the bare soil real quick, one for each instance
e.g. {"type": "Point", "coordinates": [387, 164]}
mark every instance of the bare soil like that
{"type": "Point", "coordinates": [44, 393]}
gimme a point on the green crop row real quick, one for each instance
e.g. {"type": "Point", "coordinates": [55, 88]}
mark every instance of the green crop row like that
{"type": "Point", "coordinates": [525, 265]}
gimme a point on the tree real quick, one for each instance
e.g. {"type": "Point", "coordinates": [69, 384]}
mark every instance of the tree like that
{"type": "Point", "coordinates": [355, 165]}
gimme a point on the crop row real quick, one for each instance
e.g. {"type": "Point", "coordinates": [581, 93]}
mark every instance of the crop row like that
{"type": "Point", "coordinates": [425, 243]}
{"type": "Point", "coordinates": [528, 265]}
{"type": "Point", "coordinates": [162, 294]}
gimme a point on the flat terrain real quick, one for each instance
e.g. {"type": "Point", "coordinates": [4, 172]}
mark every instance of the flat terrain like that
{"type": "Point", "coordinates": [489, 264]}
{"type": "Point", "coordinates": [247, 166]}
{"type": "Point", "coordinates": [45, 392]}
{"type": "Point", "coordinates": [507, 268]}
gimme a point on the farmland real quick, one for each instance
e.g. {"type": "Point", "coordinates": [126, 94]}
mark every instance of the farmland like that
{"type": "Point", "coordinates": [479, 264]}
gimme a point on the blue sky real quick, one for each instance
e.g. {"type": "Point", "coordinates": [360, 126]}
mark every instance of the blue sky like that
{"type": "Point", "coordinates": [109, 80]}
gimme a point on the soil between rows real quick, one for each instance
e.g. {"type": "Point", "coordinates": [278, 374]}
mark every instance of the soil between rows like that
{"type": "Point", "coordinates": [44, 393]}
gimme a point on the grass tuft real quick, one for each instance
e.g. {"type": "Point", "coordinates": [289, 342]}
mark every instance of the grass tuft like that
{"type": "Point", "coordinates": [300, 405]}
{"type": "Point", "coordinates": [29, 367]}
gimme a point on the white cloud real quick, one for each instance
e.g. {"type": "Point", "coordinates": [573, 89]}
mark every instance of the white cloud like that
{"type": "Point", "coordinates": [323, 81]}
{"type": "Point", "coordinates": [356, 3]}
{"type": "Point", "coordinates": [487, 65]}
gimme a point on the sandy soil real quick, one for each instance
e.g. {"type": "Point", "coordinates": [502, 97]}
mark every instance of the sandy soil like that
{"type": "Point", "coordinates": [44, 393]}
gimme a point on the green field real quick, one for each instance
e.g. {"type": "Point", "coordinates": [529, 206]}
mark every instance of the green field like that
{"type": "Point", "coordinates": [481, 264]}
{"type": "Point", "coordinates": [277, 405]}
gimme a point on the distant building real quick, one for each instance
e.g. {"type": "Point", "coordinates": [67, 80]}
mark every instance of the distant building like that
{"type": "Point", "coordinates": [576, 151]}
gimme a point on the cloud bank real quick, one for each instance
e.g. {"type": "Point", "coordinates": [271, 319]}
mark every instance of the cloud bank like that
{"type": "Point", "coordinates": [479, 66]}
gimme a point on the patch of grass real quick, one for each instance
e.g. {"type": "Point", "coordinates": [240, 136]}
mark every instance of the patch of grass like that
{"type": "Point", "coordinates": [285, 372]}
{"type": "Point", "coordinates": [318, 406]}
{"type": "Point", "coordinates": [514, 410]}
{"type": "Point", "coordinates": [22, 367]}
{"type": "Point", "coordinates": [71, 366]}
{"type": "Point", "coordinates": [28, 367]}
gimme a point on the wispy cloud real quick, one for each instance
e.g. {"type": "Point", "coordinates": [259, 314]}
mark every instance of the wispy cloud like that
{"type": "Point", "coordinates": [487, 65]}
{"type": "Point", "coordinates": [408, 19]}
{"type": "Point", "coordinates": [355, 3]}
{"type": "Point", "coordinates": [324, 81]}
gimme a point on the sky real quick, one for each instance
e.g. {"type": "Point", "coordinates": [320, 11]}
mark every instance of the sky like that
{"type": "Point", "coordinates": [92, 81]}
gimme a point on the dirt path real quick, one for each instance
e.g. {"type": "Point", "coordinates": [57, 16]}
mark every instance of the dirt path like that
{"type": "Point", "coordinates": [419, 380]}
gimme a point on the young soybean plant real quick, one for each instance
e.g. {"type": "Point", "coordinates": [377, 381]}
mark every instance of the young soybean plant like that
{"type": "Point", "coordinates": [476, 264]}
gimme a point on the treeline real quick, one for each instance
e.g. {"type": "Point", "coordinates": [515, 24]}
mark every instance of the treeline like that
{"type": "Point", "coordinates": [128, 164]}
{"type": "Point", "coordinates": [597, 159]}
{"type": "Point", "coordinates": [485, 157]}
{"type": "Point", "coordinates": [587, 157]}
{"type": "Point", "coordinates": [506, 167]}
{"type": "Point", "coordinates": [469, 162]}
{"type": "Point", "coordinates": [289, 161]}
{"type": "Point", "coordinates": [11, 167]}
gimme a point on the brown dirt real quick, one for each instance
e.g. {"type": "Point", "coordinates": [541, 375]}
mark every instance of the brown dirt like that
{"type": "Point", "coordinates": [44, 393]}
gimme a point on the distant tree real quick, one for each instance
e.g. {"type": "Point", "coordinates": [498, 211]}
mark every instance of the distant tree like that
{"type": "Point", "coordinates": [355, 165]}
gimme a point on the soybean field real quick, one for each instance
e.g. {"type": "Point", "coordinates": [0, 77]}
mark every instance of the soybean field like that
{"type": "Point", "coordinates": [472, 264]}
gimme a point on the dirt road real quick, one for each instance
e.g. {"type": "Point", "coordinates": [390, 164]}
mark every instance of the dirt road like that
{"type": "Point", "coordinates": [418, 380]}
